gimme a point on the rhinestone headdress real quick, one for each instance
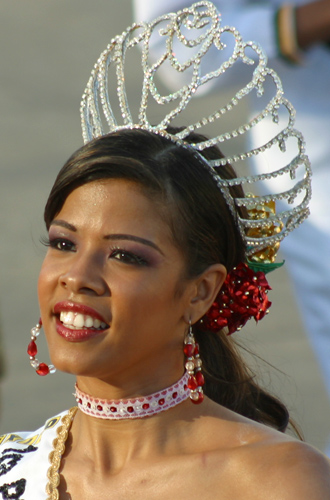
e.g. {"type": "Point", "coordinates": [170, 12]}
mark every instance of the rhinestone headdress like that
{"type": "Point", "coordinates": [199, 29]}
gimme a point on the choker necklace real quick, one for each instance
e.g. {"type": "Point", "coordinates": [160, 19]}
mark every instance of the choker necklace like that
{"type": "Point", "coordinates": [144, 406]}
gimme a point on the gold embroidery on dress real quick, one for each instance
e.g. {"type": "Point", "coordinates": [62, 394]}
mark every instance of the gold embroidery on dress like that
{"type": "Point", "coordinates": [55, 455]}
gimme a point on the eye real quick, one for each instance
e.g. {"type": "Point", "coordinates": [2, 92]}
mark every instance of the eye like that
{"type": "Point", "coordinates": [128, 257]}
{"type": "Point", "coordinates": [62, 244]}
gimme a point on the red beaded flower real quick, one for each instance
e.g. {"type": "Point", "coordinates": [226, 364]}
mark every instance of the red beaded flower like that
{"type": "Point", "coordinates": [243, 295]}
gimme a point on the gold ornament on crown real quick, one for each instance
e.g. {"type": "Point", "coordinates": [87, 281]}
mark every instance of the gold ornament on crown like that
{"type": "Point", "coordinates": [265, 211]}
{"type": "Point", "coordinates": [105, 108]}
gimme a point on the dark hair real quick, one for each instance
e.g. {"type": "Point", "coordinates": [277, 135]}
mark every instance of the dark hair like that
{"type": "Point", "coordinates": [203, 227]}
{"type": "Point", "coordinates": [201, 222]}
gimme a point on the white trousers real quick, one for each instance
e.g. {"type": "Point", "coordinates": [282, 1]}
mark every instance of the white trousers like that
{"type": "Point", "coordinates": [307, 249]}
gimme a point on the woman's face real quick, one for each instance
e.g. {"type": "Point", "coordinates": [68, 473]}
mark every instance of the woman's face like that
{"type": "Point", "coordinates": [108, 287]}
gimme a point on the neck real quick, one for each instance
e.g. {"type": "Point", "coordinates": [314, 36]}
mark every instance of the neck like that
{"type": "Point", "coordinates": [111, 444]}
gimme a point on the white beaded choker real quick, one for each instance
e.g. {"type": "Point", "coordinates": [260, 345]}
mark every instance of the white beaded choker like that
{"type": "Point", "coordinates": [144, 406]}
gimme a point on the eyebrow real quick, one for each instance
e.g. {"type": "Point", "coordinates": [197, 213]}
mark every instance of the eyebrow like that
{"type": "Point", "coordinates": [63, 223]}
{"type": "Point", "coordinates": [67, 225]}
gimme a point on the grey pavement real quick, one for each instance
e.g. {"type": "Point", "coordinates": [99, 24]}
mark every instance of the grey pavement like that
{"type": "Point", "coordinates": [47, 50]}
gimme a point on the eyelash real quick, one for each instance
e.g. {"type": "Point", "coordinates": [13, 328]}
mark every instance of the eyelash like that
{"type": "Point", "coordinates": [128, 257]}
{"type": "Point", "coordinates": [65, 245]}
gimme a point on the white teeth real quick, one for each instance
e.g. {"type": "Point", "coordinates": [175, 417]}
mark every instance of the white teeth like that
{"type": "Point", "coordinates": [68, 317]}
{"type": "Point", "coordinates": [88, 321]}
{"type": "Point", "coordinates": [77, 320]}
{"type": "Point", "coordinates": [96, 323]}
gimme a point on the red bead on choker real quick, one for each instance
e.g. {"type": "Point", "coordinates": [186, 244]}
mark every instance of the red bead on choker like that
{"type": "Point", "coordinates": [144, 406]}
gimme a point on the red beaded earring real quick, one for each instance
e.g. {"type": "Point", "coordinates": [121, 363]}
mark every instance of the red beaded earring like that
{"type": "Point", "coordinates": [193, 366]}
{"type": "Point", "coordinates": [40, 368]}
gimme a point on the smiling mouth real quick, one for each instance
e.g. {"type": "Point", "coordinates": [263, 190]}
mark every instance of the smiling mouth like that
{"type": "Point", "coordinates": [78, 321]}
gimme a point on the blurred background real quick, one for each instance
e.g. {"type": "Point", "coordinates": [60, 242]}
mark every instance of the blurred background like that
{"type": "Point", "coordinates": [47, 52]}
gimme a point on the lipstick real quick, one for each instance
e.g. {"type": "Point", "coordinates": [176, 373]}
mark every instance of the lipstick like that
{"type": "Point", "coordinates": [78, 322]}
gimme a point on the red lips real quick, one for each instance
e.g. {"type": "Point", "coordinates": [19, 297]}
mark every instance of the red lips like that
{"type": "Point", "coordinates": [67, 305]}
{"type": "Point", "coordinates": [74, 334]}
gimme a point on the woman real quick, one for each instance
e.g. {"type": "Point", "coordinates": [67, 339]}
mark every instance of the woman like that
{"type": "Point", "coordinates": [144, 276]}
{"type": "Point", "coordinates": [138, 250]}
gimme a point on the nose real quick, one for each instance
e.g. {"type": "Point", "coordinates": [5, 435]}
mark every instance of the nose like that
{"type": "Point", "coordinates": [85, 275]}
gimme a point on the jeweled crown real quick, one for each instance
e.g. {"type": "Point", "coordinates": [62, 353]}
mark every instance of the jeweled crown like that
{"type": "Point", "coordinates": [199, 29]}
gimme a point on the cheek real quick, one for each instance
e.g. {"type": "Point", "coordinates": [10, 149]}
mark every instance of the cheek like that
{"type": "Point", "coordinates": [143, 300]}
{"type": "Point", "coordinates": [46, 282]}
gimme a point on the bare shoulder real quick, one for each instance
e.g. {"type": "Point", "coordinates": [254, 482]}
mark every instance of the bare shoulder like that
{"type": "Point", "coordinates": [281, 467]}
{"type": "Point", "coordinates": [292, 469]}
{"type": "Point", "coordinates": [260, 463]}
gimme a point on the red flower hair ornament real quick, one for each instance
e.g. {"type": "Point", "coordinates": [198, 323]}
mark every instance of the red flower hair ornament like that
{"type": "Point", "coordinates": [243, 295]}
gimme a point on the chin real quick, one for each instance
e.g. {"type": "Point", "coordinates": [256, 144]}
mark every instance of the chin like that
{"type": "Point", "coordinates": [69, 363]}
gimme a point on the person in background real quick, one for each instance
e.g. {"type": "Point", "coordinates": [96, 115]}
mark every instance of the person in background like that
{"type": "Point", "coordinates": [296, 39]}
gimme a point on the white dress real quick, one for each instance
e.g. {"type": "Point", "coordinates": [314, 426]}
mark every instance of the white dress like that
{"type": "Point", "coordinates": [24, 461]}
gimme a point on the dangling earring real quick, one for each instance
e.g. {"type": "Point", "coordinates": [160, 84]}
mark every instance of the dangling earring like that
{"type": "Point", "coordinates": [193, 366]}
{"type": "Point", "coordinates": [40, 368]}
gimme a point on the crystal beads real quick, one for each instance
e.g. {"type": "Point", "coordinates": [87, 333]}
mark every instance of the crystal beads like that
{"type": "Point", "coordinates": [32, 350]}
{"type": "Point", "coordinates": [204, 21]}
{"type": "Point", "coordinates": [42, 369]}
{"type": "Point", "coordinates": [194, 368]}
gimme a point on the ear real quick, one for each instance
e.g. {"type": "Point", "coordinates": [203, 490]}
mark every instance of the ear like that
{"type": "Point", "coordinates": [207, 286]}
